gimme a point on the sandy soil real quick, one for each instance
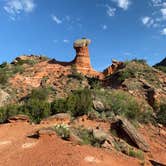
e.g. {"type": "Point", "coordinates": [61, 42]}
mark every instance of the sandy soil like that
{"type": "Point", "coordinates": [16, 149]}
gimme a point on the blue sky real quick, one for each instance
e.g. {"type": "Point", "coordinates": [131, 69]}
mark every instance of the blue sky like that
{"type": "Point", "coordinates": [119, 29]}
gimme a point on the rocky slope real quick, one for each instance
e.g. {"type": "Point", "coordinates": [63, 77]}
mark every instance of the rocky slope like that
{"type": "Point", "coordinates": [84, 117]}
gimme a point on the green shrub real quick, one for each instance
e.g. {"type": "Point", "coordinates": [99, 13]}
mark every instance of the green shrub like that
{"type": "Point", "coordinates": [3, 65]}
{"type": "Point", "coordinates": [161, 114]}
{"type": "Point", "coordinates": [93, 115]}
{"type": "Point", "coordinates": [136, 153]}
{"type": "Point", "coordinates": [94, 82]}
{"type": "Point", "coordinates": [39, 93]}
{"type": "Point", "coordinates": [162, 68]}
{"type": "Point", "coordinates": [3, 115]}
{"type": "Point", "coordinates": [79, 102]}
{"type": "Point", "coordinates": [63, 131]}
{"type": "Point", "coordinates": [142, 61]}
{"type": "Point", "coordinates": [58, 106]}
{"type": "Point", "coordinates": [125, 74]}
{"type": "Point", "coordinates": [8, 111]}
{"type": "Point", "coordinates": [18, 69]}
{"type": "Point", "coordinates": [85, 135]}
{"type": "Point", "coordinates": [119, 102]}
{"type": "Point", "coordinates": [3, 77]}
{"type": "Point", "coordinates": [27, 61]}
{"type": "Point", "coordinates": [122, 103]}
{"type": "Point", "coordinates": [146, 117]}
{"type": "Point", "coordinates": [36, 109]}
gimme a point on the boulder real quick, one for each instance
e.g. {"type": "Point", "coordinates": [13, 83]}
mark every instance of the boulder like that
{"type": "Point", "coordinates": [156, 163]}
{"type": "Point", "coordinates": [127, 131]}
{"type": "Point", "coordinates": [109, 143]}
{"type": "Point", "coordinates": [98, 105]}
{"type": "Point", "coordinates": [18, 118]}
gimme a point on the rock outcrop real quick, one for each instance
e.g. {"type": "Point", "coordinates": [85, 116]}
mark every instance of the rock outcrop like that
{"type": "Point", "coordinates": [82, 59]}
{"type": "Point", "coordinates": [126, 130]}
{"type": "Point", "coordinates": [114, 67]}
{"type": "Point", "coordinates": [162, 63]}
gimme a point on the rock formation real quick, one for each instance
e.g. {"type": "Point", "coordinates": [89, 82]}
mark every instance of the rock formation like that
{"type": "Point", "coordinates": [162, 63]}
{"type": "Point", "coordinates": [114, 67]}
{"type": "Point", "coordinates": [82, 59]}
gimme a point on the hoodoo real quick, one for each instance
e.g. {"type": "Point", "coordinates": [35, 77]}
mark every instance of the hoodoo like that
{"type": "Point", "coordinates": [82, 59]}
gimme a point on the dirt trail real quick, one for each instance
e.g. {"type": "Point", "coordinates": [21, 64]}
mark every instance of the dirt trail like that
{"type": "Point", "coordinates": [18, 150]}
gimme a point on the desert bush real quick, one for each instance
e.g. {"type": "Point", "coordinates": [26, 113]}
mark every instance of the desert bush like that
{"type": "Point", "coordinates": [27, 61]}
{"type": "Point", "coordinates": [44, 58]}
{"type": "Point", "coordinates": [3, 77]}
{"type": "Point", "coordinates": [3, 115]}
{"type": "Point", "coordinates": [36, 109]}
{"type": "Point", "coordinates": [7, 111]}
{"type": "Point", "coordinates": [39, 93]}
{"type": "Point", "coordinates": [3, 65]}
{"type": "Point", "coordinates": [122, 103]}
{"type": "Point", "coordinates": [79, 102]}
{"type": "Point", "coordinates": [94, 82]}
{"type": "Point", "coordinates": [162, 68]}
{"type": "Point", "coordinates": [119, 102]}
{"type": "Point", "coordinates": [85, 135]}
{"type": "Point", "coordinates": [161, 114]}
{"type": "Point", "coordinates": [136, 153]}
{"type": "Point", "coordinates": [93, 115]}
{"type": "Point", "coordinates": [58, 106]}
{"type": "Point", "coordinates": [125, 74]}
{"type": "Point", "coordinates": [146, 117]}
{"type": "Point", "coordinates": [17, 69]}
{"type": "Point", "coordinates": [63, 131]}
{"type": "Point", "coordinates": [142, 61]}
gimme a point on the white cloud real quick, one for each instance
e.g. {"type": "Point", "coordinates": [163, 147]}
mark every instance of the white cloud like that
{"type": "Point", "coordinates": [14, 7]}
{"type": "Point", "coordinates": [104, 27]}
{"type": "Point", "coordinates": [66, 41]}
{"type": "Point", "coordinates": [163, 32]}
{"type": "Point", "coordinates": [156, 2]}
{"type": "Point", "coordinates": [110, 11]}
{"type": "Point", "coordinates": [124, 4]}
{"type": "Point", "coordinates": [163, 11]}
{"type": "Point", "coordinates": [148, 21]}
{"type": "Point", "coordinates": [56, 19]}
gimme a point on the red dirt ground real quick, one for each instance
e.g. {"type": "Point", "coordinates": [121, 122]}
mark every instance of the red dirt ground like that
{"type": "Point", "coordinates": [18, 150]}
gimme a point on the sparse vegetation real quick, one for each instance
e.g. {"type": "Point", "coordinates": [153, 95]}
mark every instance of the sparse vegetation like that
{"type": "Point", "coordinates": [27, 61]}
{"type": "Point", "coordinates": [94, 83]}
{"type": "Point", "coordinates": [8, 70]}
{"type": "Point", "coordinates": [162, 68]}
{"type": "Point", "coordinates": [142, 61]}
{"type": "Point", "coordinates": [161, 114]}
{"type": "Point", "coordinates": [7, 111]}
{"type": "Point", "coordinates": [79, 102]}
{"type": "Point", "coordinates": [87, 137]}
{"type": "Point", "coordinates": [58, 106]}
{"type": "Point", "coordinates": [75, 74]}
{"type": "Point", "coordinates": [39, 93]}
{"type": "Point", "coordinates": [36, 110]}
{"type": "Point", "coordinates": [136, 153]}
{"type": "Point", "coordinates": [122, 103]}
{"type": "Point", "coordinates": [62, 130]}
